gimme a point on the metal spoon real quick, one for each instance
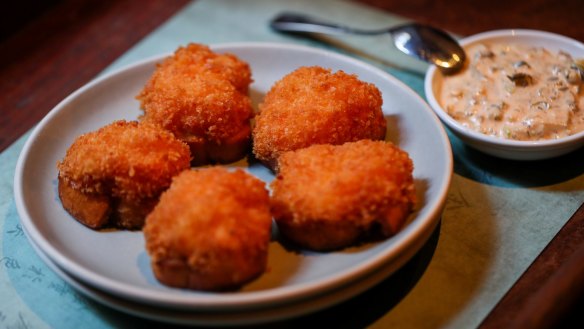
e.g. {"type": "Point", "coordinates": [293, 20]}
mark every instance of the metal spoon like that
{"type": "Point", "coordinates": [420, 41]}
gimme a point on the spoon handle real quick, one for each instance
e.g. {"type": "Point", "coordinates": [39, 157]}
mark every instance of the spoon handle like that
{"type": "Point", "coordinates": [298, 23]}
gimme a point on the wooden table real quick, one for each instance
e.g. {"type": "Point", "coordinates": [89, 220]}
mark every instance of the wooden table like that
{"type": "Point", "coordinates": [49, 49]}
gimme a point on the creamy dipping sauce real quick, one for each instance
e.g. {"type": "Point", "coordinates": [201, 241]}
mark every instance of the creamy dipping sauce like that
{"type": "Point", "coordinates": [516, 92]}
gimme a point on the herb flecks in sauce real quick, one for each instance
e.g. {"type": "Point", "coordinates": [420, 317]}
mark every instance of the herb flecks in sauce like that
{"type": "Point", "coordinates": [517, 92]}
{"type": "Point", "coordinates": [521, 79]}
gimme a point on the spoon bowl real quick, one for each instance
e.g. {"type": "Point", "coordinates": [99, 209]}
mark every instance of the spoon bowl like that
{"type": "Point", "coordinates": [423, 42]}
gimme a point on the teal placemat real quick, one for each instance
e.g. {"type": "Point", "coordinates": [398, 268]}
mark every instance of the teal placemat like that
{"type": "Point", "coordinates": [498, 217]}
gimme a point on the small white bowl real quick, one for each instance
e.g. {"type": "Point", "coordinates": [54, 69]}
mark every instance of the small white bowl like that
{"type": "Point", "coordinates": [500, 147]}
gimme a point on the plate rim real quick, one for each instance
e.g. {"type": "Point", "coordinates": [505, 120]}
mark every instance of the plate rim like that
{"type": "Point", "coordinates": [263, 316]}
{"type": "Point", "coordinates": [241, 299]}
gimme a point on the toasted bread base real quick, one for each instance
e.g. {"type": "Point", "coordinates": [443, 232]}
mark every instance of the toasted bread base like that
{"type": "Point", "coordinates": [100, 211]}
{"type": "Point", "coordinates": [214, 276]}
{"type": "Point", "coordinates": [90, 210]}
{"type": "Point", "coordinates": [321, 235]}
{"type": "Point", "coordinates": [234, 149]}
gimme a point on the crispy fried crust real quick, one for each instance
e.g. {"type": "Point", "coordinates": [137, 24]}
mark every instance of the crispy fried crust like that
{"type": "Point", "coordinates": [210, 230]}
{"type": "Point", "coordinates": [329, 197]}
{"type": "Point", "coordinates": [114, 176]}
{"type": "Point", "coordinates": [312, 105]}
{"type": "Point", "coordinates": [197, 59]}
{"type": "Point", "coordinates": [201, 97]}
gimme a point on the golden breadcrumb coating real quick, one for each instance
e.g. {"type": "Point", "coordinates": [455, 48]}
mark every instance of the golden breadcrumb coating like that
{"type": "Point", "coordinates": [312, 105]}
{"type": "Point", "coordinates": [327, 197]}
{"type": "Point", "coordinates": [210, 230]}
{"type": "Point", "coordinates": [201, 97]}
{"type": "Point", "coordinates": [124, 164]}
{"type": "Point", "coordinates": [197, 59]}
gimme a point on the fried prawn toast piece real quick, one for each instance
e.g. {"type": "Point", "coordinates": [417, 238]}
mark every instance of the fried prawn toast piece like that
{"type": "Point", "coordinates": [210, 230]}
{"type": "Point", "coordinates": [313, 105]}
{"type": "Point", "coordinates": [113, 176]}
{"type": "Point", "coordinates": [198, 59]}
{"type": "Point", "coordinates": [329, 197]}
{"type": "Point", "coordinates": [201, 97]}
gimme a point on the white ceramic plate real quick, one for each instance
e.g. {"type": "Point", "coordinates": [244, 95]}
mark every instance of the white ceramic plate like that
{"type": "Point", "coordinates": [116, 262]}
{"type": "Point", "coordinates": [500, 147]}
{"type": "Point", "coordinates": [233, 317]}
